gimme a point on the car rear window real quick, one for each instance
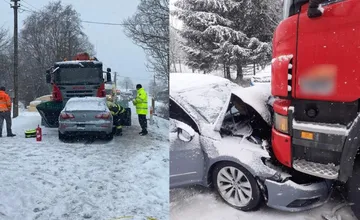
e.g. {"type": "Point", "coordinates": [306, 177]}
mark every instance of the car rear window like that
{"type": "Point", "coordinates": [85, 105]}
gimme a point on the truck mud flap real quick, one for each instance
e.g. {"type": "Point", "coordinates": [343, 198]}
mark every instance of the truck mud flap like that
{"type": "Point", "coordinates": [127, 118]}
{"type": "Point", "coordinates": [49, 112]}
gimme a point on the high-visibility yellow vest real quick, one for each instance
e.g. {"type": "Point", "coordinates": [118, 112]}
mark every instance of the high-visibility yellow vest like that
{"type": "Point", "coordinates": [141, 102]}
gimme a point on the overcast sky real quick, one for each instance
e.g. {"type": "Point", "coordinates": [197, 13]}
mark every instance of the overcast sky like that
{"type": "Point", "coordinates": [113, 48]}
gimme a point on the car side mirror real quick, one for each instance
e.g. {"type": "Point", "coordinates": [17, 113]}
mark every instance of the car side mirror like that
{"type": "Point", "coordinates": [108, 75]}
{"type": "Point", "coordinates": [185, 132]}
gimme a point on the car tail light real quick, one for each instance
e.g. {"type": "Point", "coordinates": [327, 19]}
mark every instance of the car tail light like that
{"type": "Point", "coordinates": [66, 116]}
{"type": "Point", "coordinates": [103, 116]}
{"type": "Point", "coordinates": [281, 123]}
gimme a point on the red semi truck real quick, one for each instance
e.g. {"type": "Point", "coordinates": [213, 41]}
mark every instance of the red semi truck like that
{"type": "Point", "coordinates": [316, 80]}
{"type": "Point", "coordinates": [81, 77]}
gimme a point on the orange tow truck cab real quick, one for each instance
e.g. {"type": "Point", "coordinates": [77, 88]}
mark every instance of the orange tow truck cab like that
{"type": "Point", "coordinates": [316, 80]}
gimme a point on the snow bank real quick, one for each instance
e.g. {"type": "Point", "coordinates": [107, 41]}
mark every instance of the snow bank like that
{"type": "Point", "coordinates": [263, 76]}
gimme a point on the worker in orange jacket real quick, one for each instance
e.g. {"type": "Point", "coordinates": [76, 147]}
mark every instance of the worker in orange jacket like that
{"type": "Point", "coordinates": [5, 112]}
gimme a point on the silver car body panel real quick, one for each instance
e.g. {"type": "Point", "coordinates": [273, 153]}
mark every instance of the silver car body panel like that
{"type": "Point", "coordinates": [191, 162]}
{"type": "Point", "coordinates": [85, 120]}
{"type": "Point", "coordinates": [280, 195]}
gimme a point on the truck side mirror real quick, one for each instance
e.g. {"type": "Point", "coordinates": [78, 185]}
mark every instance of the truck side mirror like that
{"type": "Point", "coordinates": [48, 77]}
{"type": "Point", "coordinates": [108, 75]}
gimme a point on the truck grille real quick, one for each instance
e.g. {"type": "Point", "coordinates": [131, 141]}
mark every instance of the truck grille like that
{"type": "Point", "coordinates": [78, 93]}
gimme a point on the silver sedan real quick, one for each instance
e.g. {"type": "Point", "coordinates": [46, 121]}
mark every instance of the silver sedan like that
{"type": "Point", "coordinates": [219, 135]}
{"type": "Point", "coordinates": [87, 115]}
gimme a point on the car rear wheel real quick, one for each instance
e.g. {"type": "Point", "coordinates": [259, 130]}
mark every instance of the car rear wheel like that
{"type": "Point", "coordinates": [237, 186]}
{"type": "Point", "coordinates": [109, 137]}
{"type": "Point", "coordinates": [62, 137]}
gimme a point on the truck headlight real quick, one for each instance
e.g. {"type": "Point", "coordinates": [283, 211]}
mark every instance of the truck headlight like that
{"type": "Point", "coordinates": [281, 123]}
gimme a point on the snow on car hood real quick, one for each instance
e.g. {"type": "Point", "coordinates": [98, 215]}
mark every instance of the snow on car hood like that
{"type": "Point", "coordinates": [208, 96]}
{"type": "Point", "coordinates": [255, 96]}
{"type": "Point", "coordinates": [203, 96]}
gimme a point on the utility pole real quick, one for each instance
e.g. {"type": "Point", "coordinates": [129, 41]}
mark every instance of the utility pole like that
{"type": "Point", "coordinates": [16, 58]}
{"type": "Point", "coordinates": [115, 79]}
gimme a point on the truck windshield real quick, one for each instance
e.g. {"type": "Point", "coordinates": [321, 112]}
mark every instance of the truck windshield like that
{"type": "Point", "coordinates": [78, 76]}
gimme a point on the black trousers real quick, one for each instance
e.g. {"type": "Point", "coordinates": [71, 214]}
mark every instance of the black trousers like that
{"type": "Point", "coordinates": [7, 117]}
{"type": "Point", "coordinates": [143, 122]}
{"type": "Point", "coordinates": [118, 120]}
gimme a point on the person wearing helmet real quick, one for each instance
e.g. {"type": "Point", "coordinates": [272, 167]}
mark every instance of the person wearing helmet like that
{"type": "Point", "coordinates": [118, 113]}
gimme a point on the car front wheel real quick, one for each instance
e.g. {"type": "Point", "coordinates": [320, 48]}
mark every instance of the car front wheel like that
{"type": "Point", "coordinates": [236, 186]}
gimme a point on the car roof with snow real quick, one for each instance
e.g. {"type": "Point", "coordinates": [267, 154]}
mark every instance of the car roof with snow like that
{"type": "Point", "coordinates": [208, 95]}
{"type": "Point", "coordinates": [86, 104]}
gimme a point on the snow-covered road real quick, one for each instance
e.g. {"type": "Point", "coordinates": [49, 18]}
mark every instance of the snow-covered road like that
{"type": "Point", "coordinates": [127, 176]}
{"type": "Point", "coordinates": [203, 204]}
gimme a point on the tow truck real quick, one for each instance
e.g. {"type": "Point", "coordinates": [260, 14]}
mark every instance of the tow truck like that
{"type": "Point", "coordinates": [316, 82]}
{"type": "Point", "coordinates": [81, 77]}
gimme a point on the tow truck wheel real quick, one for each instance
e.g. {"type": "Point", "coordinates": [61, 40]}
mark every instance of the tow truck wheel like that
{"type": "Point", "coordinates": [236, 186]}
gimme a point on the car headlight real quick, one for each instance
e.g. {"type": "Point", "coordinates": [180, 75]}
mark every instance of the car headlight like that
{"type": "Point", "coordinates": [281, 123]}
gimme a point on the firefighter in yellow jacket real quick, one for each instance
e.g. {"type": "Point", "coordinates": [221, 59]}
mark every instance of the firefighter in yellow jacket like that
{"type": "Point", "coordinates": [118, 113]}
{"type": "Point", "coordinates": [141, 104]}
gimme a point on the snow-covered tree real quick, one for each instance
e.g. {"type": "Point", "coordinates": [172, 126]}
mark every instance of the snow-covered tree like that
{"type": "Point", "coordinates": [225, 32]}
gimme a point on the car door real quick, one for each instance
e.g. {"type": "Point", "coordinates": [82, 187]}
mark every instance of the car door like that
{"type": "Point", "coordinates": [186, 154]}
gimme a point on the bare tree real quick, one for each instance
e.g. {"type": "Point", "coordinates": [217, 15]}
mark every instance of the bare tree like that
{"type": "Point", "coordinates": [127, 83]}
{"type": "Point", "coordinates": [175, 51]}
{"type": "Point", "coordinates": [4, 39]}
{"type": "Point", "coordinates": [5, 58]}
{"type": "Point", "coordinates": [149, 29]}
{"type": "Point", "coordinates": [40, 47]}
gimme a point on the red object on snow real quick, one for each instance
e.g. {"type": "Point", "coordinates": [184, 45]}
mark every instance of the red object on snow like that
{"type": "Point", "coordinates": [38, 133]}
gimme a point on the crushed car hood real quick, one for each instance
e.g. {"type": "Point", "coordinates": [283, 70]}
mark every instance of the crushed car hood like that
{"type": "Point", "coordinates": [256, 97]}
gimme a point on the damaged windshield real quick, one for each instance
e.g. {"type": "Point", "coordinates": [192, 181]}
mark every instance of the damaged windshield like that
{"type": "Point", "coordinates": [236, 121]}
{"type": "Point", "coordinates": [243, 121]}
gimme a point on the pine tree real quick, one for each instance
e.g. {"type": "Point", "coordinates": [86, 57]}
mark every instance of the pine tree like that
{"type": "Point", "coordinates": [232, 33]}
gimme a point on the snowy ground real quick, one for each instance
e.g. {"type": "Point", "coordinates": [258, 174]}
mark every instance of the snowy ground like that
{"type": "Point", "coordinates": [203, 204]}
{"type": "Point", "coordinates": [127, 176]}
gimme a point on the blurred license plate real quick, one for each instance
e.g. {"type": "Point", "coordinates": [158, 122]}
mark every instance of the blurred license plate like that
{"type": "Point", "coordinates": [317, 86]}
{"type": "Point", "coordinates": [307, 135]}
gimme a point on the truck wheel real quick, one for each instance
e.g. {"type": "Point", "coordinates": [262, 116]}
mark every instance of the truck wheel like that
{"type": "Point", "coordinates": [236, 186]}
{"type": "Point", "coordinates": [353, 189]}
